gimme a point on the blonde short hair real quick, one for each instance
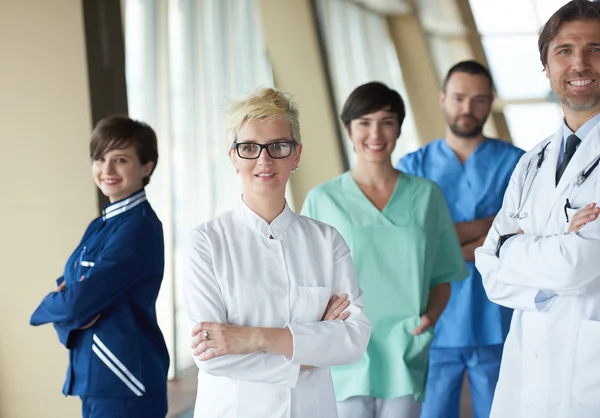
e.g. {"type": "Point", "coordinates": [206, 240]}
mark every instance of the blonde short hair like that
{"type": "Point", "coordinates": [264, 103]}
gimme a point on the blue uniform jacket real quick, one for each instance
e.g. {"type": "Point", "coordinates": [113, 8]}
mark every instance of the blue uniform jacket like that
{"type": "Point", "coordinates": [115, 272]}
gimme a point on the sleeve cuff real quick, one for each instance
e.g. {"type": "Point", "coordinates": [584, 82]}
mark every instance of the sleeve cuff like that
{"type": "Point", "coordinates": [544, 299]}
{"type": "Point", "coordinates": [505, 246]}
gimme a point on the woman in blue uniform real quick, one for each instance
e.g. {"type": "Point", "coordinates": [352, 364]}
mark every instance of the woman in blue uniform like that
{"type": "Point", "coordinates": [104, 306]}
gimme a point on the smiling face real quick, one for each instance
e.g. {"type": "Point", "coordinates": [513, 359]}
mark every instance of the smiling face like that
{"type": "Point", "coordinates": [264, 176]}
{"type": "Point", "coordinates": [374, 135]}
{"type": "Point", "coordinates": [118, 173]}
{"type": "Point", "coordinates": [573, 66]}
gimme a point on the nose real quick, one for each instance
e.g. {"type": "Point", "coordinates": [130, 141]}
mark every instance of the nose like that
{"type": "Point", "coordinates": [264, 158]}
{"type": "Point", "coordinates": [375, 130]}
{"type": "Point", "coordinates": [467, 106]}
{"type": "Point", "coordinates": [108, 167]}
{"type": "Point", "coordinates": [580, 61]}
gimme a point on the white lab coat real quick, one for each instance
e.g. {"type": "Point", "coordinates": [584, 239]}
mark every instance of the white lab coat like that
{"type": "Point", "coordinates": [235, 274]}
{"type": "Point", "coordinates": [551, 361]}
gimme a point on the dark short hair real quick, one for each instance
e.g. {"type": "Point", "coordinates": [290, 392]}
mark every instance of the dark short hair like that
{"type": "Point", "coordinates": [469, 67]}
{"type": "Point", "coordinates": [119, 132]}
{"type": "Point", "coordinates": [570, 12]}
{"type": "Point", "coordinates": [369, 98]}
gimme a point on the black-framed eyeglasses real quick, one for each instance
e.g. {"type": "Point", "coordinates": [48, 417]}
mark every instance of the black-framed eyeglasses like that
{"type": "Point", "coordinates": [252, 150]}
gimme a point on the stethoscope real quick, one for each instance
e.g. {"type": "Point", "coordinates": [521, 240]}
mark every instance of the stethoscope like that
{"type": "Point", "coordinates": [581, 178]}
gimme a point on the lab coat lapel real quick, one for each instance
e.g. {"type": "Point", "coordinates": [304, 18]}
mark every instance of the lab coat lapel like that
{"type": "Point", "coordinates": [587, 152]}
{"type": "Point", "coordinates": [544, 186]}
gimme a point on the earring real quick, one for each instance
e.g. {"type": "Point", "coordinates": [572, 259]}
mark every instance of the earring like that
{"type": "Point", "coordinates": [295, 169]}
{"type": "Point", "coordinates": [237, 171]}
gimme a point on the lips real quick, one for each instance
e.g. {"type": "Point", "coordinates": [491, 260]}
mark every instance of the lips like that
{"type": "Point", "coordinates": [110, 182]}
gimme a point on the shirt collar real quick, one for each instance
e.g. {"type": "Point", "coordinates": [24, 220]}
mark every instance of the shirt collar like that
{"type": "Point", "coordinates": [582, 132]}
{"type": "Point", "coordinates": [124, 205]}
{"type": "Point", "coordinates": [276, 229]}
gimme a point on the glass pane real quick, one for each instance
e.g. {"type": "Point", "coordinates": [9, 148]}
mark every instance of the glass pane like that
{"type": "Point", "coordinates": [530, 124]}
{"type": "Point", "coordinates": [504, 17]}
{"type": "Point", "coordinates": [516, 67]}
{"type": "Point", "coordinates": [546, 8]}
{"type": "Point", "coordinates": [359, 50]}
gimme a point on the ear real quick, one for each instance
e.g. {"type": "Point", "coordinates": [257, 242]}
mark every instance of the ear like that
{"type": "Point", "coordinates": [442, 98]}
{"type": "Point", "coordinates": [547, 72]}
{"type": "Point", "coordinates": [147, 168]}
{"type": "Point", "coordinates": [232, 156]}
{"type": "Point", "coordinates": [298, 153]}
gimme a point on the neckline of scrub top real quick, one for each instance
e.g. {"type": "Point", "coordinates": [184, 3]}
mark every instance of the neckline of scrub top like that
{"type": "Point", "coordinates": [276, 229]}
{"type": "Point", "coordinates": [122, 206]}
{"type": "Point", "coordinates": [353, 186]}
{"type": "Point", "coordinates": [477, 149]}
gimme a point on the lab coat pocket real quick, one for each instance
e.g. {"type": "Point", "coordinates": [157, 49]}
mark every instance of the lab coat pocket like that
{"type": "Point", "coordinates": [586, 370]}
{"type": "Point", "coordinates": [115, 365]}
{"type": "Point", "coordinates": [570, 213]}
{"type": "Point", "coordinates": [311, 303]}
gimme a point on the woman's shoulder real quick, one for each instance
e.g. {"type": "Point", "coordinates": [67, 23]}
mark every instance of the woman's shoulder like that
{"type": "Point", "coordinates": [329, 187]}
{"type": "Point", "coordinates": [216, 224]}
{"type": "Point", "coordinates": [419, 184]}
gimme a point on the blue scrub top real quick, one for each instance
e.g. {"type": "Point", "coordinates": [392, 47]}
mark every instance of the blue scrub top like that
{"type": "Point", "coordinates": [472, 190]}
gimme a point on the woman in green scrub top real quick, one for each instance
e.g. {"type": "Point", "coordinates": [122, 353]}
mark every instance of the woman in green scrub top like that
{"type": "Point", "coordinates": [405, 252]}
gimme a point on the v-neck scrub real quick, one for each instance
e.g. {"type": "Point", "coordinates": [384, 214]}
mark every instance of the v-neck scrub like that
{"type": "Point", "coordinates": [399, 253]}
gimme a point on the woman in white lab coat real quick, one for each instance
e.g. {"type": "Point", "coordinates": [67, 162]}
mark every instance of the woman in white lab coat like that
{"type": "Point", "coordinates": [261, 284]}
{"type": "Point", "coordinates": [541, 256]}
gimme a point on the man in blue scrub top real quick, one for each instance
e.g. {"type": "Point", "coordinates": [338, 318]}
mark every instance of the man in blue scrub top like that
{"type": "Point", "coordinates": [473, 172]}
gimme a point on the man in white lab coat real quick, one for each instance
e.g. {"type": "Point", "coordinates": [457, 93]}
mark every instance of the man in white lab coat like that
{"type": "Point", "coordinates": [542, 255]}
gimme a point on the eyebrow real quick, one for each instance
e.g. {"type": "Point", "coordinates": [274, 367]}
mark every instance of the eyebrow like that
{"type": "Point", "coordinates": [567, 45]}
{"type": "Point", "coordinates": [390, 116]}
{"type": "Point", "coordinates": [250, 141]}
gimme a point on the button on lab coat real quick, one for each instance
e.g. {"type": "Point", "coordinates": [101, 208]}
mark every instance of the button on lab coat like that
{"type": "Point", "coordinates": [235, 274]}
{"type": "Point", "coordinates": [550, 366]}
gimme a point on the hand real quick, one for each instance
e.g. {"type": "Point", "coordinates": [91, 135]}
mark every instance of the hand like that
{"type": "Point", "coordinates": [519, 232]}
{"type": "Point", "coordinates": [426, 322]}
{"type": "Point", "coordinates": [91, 323]}
{"type": "Point", "coordinates": [61, 287]}
{"type": "Point", "coordinates": [222, 340]}
{"type": "Point", "coordinates": [333, 312]}
{"type": "Point", "coordinates": [335, 309]}
{"type": "Point", "coordinates": [588, 214]}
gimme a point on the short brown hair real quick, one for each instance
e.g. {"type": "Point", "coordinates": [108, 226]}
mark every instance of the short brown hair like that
{"type": "Point", "coordinates": [369, 98]}
{"type": "Point", "coordinates": [570, 12]}
{"type": "Point", "coordinates": [118, 132]}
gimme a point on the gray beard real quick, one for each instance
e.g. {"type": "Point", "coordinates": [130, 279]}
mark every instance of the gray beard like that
{"type": "Point", "coordinates": [580, 106]}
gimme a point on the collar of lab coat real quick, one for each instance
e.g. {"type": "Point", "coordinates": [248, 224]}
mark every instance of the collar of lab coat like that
{"type": "Point", "coordinates": [276, 229]}
{"type": "Point", "coordinates": [586, 154]}
{"type": "Point", "coordinates": [122, 206]}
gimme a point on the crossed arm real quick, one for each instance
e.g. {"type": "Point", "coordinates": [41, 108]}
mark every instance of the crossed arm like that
{"type": "Point", "coordinates": [472, 235]}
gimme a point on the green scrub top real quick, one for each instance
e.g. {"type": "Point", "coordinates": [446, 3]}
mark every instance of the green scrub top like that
{"type": "Point", "coordinates": [399, 253]}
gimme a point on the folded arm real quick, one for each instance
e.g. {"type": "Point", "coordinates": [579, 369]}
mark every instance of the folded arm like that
{"type": "Point", "coordinates": [204, 302]}
{"type": "Point", "coordinates": [351, 336]}
{"type": "Point", "coordinates": [517, 295]}
{"type": "Point", "coordinates": [133, 253]}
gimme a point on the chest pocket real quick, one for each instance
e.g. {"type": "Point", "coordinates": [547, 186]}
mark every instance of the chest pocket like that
{"type": "Point", "coordinates": [310, 303]}
{"type": "Point", "coordinates": [85, 265]}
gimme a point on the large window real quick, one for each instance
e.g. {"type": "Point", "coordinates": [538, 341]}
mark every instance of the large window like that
{"type": "Point", "coordinates": [360, 49]}
{"type": "Point", "coordinates": [513, 57]}
{"type": "Point", "coordinates": [186, 61]}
